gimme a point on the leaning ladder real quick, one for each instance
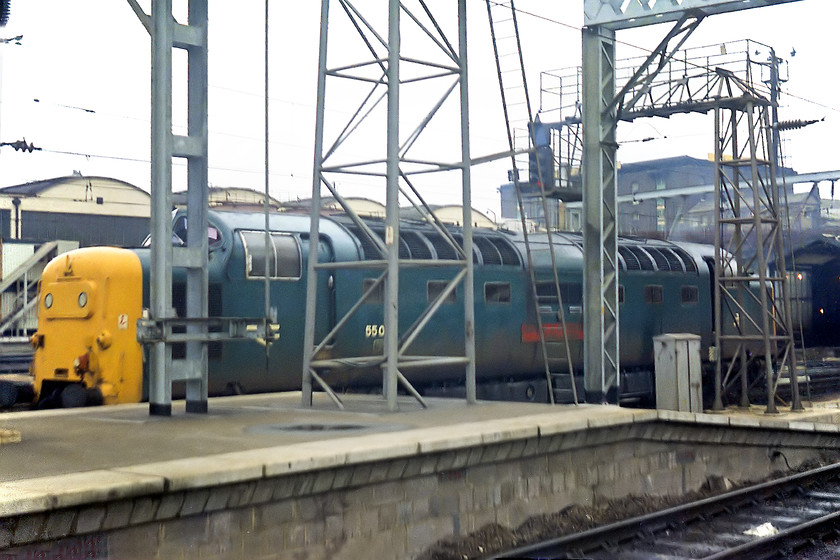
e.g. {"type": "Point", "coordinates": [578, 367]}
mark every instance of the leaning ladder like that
{"type": "Point", "coordinates": [513, 86]}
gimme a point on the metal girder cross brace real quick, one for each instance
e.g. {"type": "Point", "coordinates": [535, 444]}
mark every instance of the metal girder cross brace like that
{"type": "Point", "coordinates": [624, 14]}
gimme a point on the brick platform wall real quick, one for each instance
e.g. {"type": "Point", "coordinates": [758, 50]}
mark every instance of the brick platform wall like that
{"type": "Point", "coordinates": [397, 508]}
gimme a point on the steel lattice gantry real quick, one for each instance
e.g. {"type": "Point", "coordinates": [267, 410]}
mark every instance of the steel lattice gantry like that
{"type": "Point", "coordinates": [383, 71]}
{"type": "Point", "coordinates": [602, 18]}
{"type": "Point", "coordinates": [748, 236]}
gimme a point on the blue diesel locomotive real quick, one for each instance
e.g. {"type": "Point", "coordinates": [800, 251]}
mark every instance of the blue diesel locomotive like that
{"type": "Point", "coordinates": [664, 287]}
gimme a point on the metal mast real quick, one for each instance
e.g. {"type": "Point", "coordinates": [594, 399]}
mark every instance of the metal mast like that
{"type": "Point", "coordinates": [380, 64]}
{"type": "Point", "coordinates": [163, 328]}
{"type": "Point", "coordinates": [167, 34]}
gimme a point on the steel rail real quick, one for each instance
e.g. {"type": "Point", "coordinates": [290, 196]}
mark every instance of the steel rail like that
{"type": "Point", "coordinates": [618, 537]}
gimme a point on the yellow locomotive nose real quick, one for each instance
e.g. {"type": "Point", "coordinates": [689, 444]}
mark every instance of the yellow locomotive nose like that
{"type": "Point", "coordinates": [86, 348]}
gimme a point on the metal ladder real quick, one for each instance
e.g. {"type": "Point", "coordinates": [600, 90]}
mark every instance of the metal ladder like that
{"type": "Point", "coordinates": [507, 48]}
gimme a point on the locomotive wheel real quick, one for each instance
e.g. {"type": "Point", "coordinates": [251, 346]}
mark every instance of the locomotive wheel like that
{"type": "Point", "coordinates": [234, 388]}
{"type": "Point", "coordinates": [8, 394]}
{"type": "Point", "coordinates": [52, 400]}
{"type": "Point", "coordinates": [530, 392]}
{"type": "Point", "coordinates": [73, 396]}
{"type": "Point", "coordinates": [94, 397]}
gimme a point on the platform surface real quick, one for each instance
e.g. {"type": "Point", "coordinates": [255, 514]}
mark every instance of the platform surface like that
{"type": "Point", "coordinates": [70, 456]}
{"type": "Point", "coordinates": [56, 442]}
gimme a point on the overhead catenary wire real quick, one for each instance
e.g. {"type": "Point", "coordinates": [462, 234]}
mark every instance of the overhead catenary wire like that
{"type": "Point", "coordinates": [279, 99]}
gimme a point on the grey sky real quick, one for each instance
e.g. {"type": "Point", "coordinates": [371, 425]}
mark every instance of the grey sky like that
{"type": "Point", "coordinates": [78, 57]}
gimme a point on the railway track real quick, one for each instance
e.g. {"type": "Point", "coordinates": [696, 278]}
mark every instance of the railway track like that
{"type": "Point", "coordinates": [775, 519]}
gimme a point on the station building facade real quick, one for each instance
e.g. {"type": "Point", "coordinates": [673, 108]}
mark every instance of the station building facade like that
{"type": "Point", "coordinates": [90, 210]}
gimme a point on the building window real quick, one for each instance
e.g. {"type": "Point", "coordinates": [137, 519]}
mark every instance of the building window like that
{"type": "Point", "coordinates": [660, 214]}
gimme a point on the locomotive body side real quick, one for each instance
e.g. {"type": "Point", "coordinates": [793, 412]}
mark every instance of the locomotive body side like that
{"type": "Point", "coordinates": [236, 276]}
{"type": "Point", "coordinates": [86, 348]}
{"type": "Point", "coordinates": [92, 350]}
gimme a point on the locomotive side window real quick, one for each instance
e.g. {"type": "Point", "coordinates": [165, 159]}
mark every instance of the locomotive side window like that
{"type": "Point", "coordinates": [653, 294]}
{"type": "Point", "coordinates": [283, 255]}
{"type": "Point", "coordinates": [436, 287]}
{"type": "Point", "coordinates": [497, 292]}
{"type": "Point", "coordinates": [620, 294]}
{"type": "Point", "coordinates": [690, 294]}
{"type": "Point", "coordinates": [255, 254]}
{"type": "Point", "coordinates": [287, 254]}
{"type": "Point", "coordinates": [571, 292]}
{"type": "Point", "coordinates": [378, 295]}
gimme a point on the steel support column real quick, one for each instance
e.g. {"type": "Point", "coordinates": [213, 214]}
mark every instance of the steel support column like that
{"type": "Point", "coordinates": [600, 236]}
{"type": "Point", "coordinates": [466, 186]}
{"type": "Point", "coordinates": [168, 34]}
{"type": "Point", "coordinates": [392, 208]}
{"type": "Point", "coordinates": [315, 211]}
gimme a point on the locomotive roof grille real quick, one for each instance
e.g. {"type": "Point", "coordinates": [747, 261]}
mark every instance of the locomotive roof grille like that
{"type": "Point", "coordinates": [630, 260]}
{"type": "Point", "coordinates": [665, 259]}
{"type": "Point", "coordinates": [662, 262]}
{"type": "Point", "coordinates": [368, 248]}
{"type": "Point", "coordinates": [489, 253]}
{"type": "Point", "coordinates": [498, 251]}
{"type": "Point", "coordinates": [418, 247]}
{"type": "Point", "coordinates": [420, 244]}
{"type": "Point", "coordinates": [509, 254]}
{"type": "Point", "coordinates": [460, 240]}
{"type": "Point", "coordinates": [644, 258]}
{"type": "Point", "coordinates": [405, 251]}
{"type": "Point", "coordinates": [674, 260]}
{"type": "Point", "coordinates": [442, 247]}
{"type": "Point", "coordinates": [690, 265]}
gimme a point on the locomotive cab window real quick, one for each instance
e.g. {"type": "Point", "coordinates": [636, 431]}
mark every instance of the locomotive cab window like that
{"type": "Point", "coordinates": [436, 287]}
{"type": "Point", "coordinates": [179, 235]}
{"type": "Point", "coordinates": [653, 294]}
{"type": "Point", "coordinates": [214, 237]}
{"type": "Point", "coordinates": [690, 294]}
{"type": "Point", "coordinates": [497, 292]}
{"type": "Point", "coordinates": [283, 255]}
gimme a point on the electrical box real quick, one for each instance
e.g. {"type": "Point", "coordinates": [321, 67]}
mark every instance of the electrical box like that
{"type": "Point", "coordinates": [678, 374]}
